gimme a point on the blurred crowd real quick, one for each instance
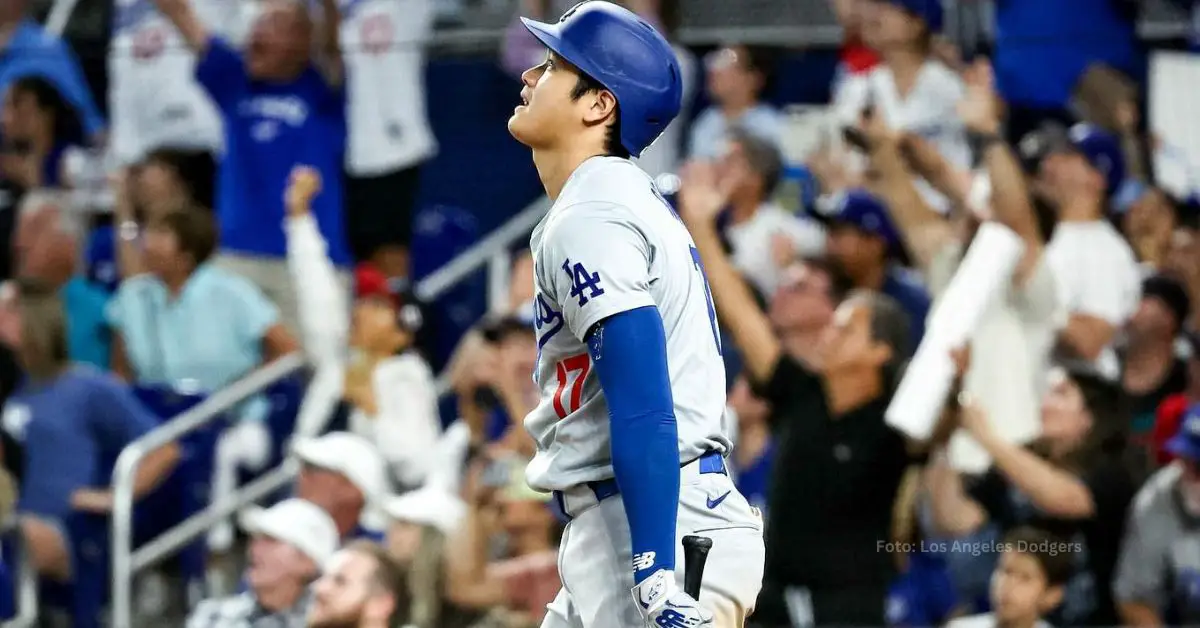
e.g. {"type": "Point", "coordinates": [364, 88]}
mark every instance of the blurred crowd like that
{"type": "Point", "coordinates": [261, 166]}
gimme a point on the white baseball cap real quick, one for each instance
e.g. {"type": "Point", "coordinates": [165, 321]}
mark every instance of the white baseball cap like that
{"type": "Point", "coordinates": [428, 505]}
{"type": "Point", "coordinates": [299, 523]}
{"type": "Point", "coordinates": [350, 455]}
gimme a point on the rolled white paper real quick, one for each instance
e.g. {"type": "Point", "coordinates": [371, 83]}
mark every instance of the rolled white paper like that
{"type": "Point", "coordinates": [985, 270]}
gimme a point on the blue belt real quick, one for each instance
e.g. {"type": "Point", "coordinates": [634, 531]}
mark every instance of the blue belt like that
{"type": "Point", "coordinates": [711, 462]}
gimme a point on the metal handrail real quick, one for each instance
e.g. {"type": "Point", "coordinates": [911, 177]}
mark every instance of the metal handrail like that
{"type": "Point", "coordinates": [474, 258]}
{"type": "Point", "coordinates": [126, 562]}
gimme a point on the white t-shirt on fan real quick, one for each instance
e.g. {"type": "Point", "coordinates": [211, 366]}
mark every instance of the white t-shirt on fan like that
{"type": "Point", "coordinates": [154, 100]}
{"type": "Point", "coordinates": [929, 110]}
{"type": "Point", "coordinates": [384, 51]}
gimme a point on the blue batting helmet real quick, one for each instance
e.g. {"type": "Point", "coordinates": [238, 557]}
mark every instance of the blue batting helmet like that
{"type": "Point", "coordinates": [628, 57]}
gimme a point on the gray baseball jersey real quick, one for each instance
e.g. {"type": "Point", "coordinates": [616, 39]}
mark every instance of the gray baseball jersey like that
{"type": "Point", "coordinates": [609, 244]}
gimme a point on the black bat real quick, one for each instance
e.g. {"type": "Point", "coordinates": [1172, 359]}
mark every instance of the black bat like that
{"type": "Point", "coordinates": [695, 554]}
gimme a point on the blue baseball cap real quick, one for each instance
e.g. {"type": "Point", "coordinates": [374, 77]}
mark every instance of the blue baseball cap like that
{"type": "Point", "coordinates": [1100, 148]}
{"type": "Point", "coordinates": [1186, 442]}
{"type": "Point", "coordinates": [930, 11]}
{"type": "Point", "coordinates": [862, 210]}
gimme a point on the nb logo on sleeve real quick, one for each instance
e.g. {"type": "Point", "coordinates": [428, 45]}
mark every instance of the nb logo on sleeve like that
{"type": "Point", "coordinates": [645, 560]}
{"type": "Point", "coordinates": [582, 280]}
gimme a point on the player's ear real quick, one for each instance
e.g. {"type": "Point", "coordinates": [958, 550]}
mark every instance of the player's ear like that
{"type": "Point", "coordinates": [603, 105]}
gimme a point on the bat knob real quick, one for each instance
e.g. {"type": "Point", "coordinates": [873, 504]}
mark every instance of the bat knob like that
{"type": "Point", "coordinates": [695, 543]}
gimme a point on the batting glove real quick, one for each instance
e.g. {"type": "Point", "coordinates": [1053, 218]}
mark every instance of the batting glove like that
{"type": "Point", "coordinates": [665, 605]}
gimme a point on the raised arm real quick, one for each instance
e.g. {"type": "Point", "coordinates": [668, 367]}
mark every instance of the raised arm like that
{"type": "Point", "coordinates": [700, 200]}
{"type": "Point", "coordinates": [925, 231]}
{"type": "Point", "coordinates": [328, 53]}
{"type": "Point", "coordinates": [1010, 196]}
{"type": "Point", "coordinates": [185, 20]}
{"type": "Point", "coordinates": [324, 310]}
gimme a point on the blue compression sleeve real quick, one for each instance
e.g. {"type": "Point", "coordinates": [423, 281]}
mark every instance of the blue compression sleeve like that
{"type": "Point", "coordinates": [629, 351]}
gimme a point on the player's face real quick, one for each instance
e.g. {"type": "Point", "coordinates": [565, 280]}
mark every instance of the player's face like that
{"type": "Point", "coordinates": [547, 115]}
{"type": "Point", "coordinates": [1019, 589]}
{"type": "Point", "coordinates": [273, 564]}
{"type": "Point", "coordinates": [342, 594]}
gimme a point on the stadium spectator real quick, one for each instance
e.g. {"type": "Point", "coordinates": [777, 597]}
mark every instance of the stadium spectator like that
{"type": "Point", "coordinates": [69, 420]}
{"type": "Point", "coordinates": [1078, 171]}
{"type": "Point", "coordinates": [289, 543]}
{"type": "Point", "coordinates": [1183, 262]}
{"type": "Point", "coordinates": [1072, 482]}
{"type": "Point", "coordinates": [422, 522]}
{"type": "Point", "coordinates": [389, 133]}
{"type": "Point", "coordinates": [735, 77]}
{"type": "Point", "coordinates": [491, 379]}
{"type": "Point", "coordinates": [1149, 224]}
{"type": "Point", "coordinates": [1012, 341]}
{"type": "Point", "coordinates": [38, 127]}
{"type": "Point", "coordinates": [28, 51]}
{"type": "Point", "coordinates": [525, 579]}
{"type": "Point", "coordinates": [1172, 409]}
{"type": "Point", "coordinates": [1158, 572]}
{"type": "Point", "coordinates": [165, 180]}
{"type": "Point", "coordinates": [754, 448]}
{"type": "Point", "coordinates": [910, 90]}
{"type": "Point", "coordinates": [282, 106]}
{"type": "Point", "coordinates": [855, 57]}
{"type": "Point", "coordinates": [154, 99]}
{"type": "Point", "coordinates": [192, 326]}
{"type": "Point", "coordinates": [749, 172]}
{"type": "Point", "coordinates": [361, 587]}
{"type": "Point", "coordinates": [46, 247]}
{"type": "Point", "coordinates": [838, 465]}
{"type": "Point", "coordinates": [387, 388]}
{"type": "Point", "coordinates": [344, 474]}
{"type": "Point", "coordinates": [1028, 583]}
{"type": "Point", "coordinates": [866, 247]}
{"type": "Point", "coordinates": [1153, 371]}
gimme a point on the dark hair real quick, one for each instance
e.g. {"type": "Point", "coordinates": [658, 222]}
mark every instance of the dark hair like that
{"type": "Point", "coordinates": [388, 575]}
{"type": "Point", "coordinates": [890, 325]}
{"type": "Point", "coordinates": [612, 136]}
{"type": "Point", "coordinates": [195, 230]}
{"type": "Point", "coordinates": [47, 97]}
{"type": "Point", "coordinates": [196, 170]}
{"type": "Point", "coordinates": [1051, 553]}
{"type": "Point", "coordinates": [764, 158]}
{"type": "Point", "coordinates": [840, 283]}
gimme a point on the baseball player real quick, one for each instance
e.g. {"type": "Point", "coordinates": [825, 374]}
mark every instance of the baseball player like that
{"type": "Point", "coordinates": [629, 431]}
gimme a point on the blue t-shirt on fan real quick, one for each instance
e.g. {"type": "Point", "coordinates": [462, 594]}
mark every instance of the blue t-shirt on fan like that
{"type": "Point", "coordinates": [72, 427]}
{"type": "Point", "coordinates": [269, 129]}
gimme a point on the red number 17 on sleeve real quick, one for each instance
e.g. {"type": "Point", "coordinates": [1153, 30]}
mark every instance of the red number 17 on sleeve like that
{"type": "Point", "coordinates": [572, 371]}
